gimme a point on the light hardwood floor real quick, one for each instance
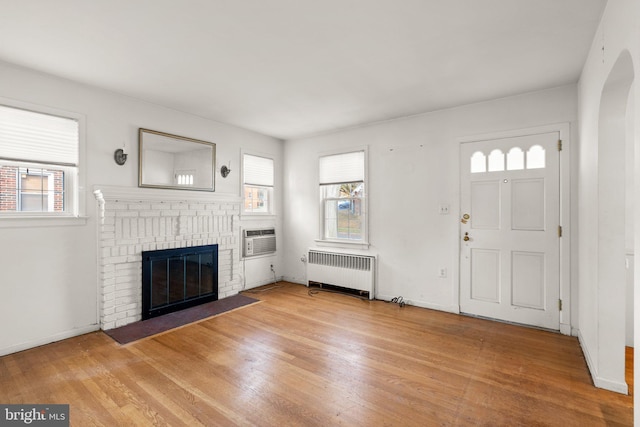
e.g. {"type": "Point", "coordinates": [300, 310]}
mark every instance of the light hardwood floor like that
{"type": "Point", "coordinates": [323, 360]}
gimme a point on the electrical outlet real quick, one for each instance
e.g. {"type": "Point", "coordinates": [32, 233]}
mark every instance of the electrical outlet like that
{"type": "Point", "coordinates": [444, 209]}
{"type": "Point", "coordinates": [442, 272]}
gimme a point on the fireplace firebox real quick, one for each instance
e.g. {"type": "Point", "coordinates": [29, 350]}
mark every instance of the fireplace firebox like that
{"type": "Point", "coordinates": [175, 279]}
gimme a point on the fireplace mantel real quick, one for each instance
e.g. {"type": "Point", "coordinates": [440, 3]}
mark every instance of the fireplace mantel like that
{"type": "Point", "coordinates": [112, 192]}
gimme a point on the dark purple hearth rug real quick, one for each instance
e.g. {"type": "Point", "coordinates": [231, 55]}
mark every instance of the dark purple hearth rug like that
{"type": "Point", "coordinates": [146, 328]}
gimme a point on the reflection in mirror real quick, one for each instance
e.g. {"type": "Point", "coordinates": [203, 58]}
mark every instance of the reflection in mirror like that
{"type": "Point", "coordinates": [171, 161]}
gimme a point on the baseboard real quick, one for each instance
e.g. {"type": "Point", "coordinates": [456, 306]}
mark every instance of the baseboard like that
{"type": "Point", "coordinates": [423, 304]}
{"type": "Point", "coordinates": [295, 280]}
{"type": "Point", "coordinates": [616, 386]}
{"type": "Point", "coordinates": [261, 283]}
{"type": "Point", "coordinates": [598, 381]}
{"type": "Point", "coordinates": [593, 370]}
{"type": "Point", "coordinates": [48, 340]}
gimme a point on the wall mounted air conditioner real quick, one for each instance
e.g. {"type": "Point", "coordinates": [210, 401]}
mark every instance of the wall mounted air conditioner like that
{"type": "Point", "coordinates": [258, 242]}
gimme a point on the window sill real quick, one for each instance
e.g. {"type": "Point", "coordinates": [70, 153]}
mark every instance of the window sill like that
{"type": "Point", "coordinates": [17, 221]}
{"type": "Point", "coordinates": [342, 244]}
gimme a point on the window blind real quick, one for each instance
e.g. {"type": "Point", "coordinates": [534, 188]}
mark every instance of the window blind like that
{"type": "Point", "coordinates": [258, 170]}
{"type": "Point", "coordinates": [28, 136]}
{"type": "Point", "coordinates": [340, 168]}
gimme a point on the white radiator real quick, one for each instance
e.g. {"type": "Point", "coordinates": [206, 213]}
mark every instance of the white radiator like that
{"type": "Point", "coordinates": [342, 269]}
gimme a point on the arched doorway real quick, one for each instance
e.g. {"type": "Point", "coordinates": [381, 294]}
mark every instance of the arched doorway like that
{"type": "Point", "coordinates": [615, 222]}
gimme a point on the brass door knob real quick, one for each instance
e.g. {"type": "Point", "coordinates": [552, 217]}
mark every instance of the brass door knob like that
{"type": "Point", "coordinates": [466, 237]}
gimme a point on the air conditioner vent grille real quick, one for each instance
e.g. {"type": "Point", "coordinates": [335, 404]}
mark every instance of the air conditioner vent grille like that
{"type": "Point", "coordinates": [264, 232]}
{"type": "Point", "coordinates": [259, 242]}
{"type": "Point", "coordinates": [263, 246]}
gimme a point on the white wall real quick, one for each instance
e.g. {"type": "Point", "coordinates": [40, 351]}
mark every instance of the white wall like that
{"type": "Point", "coordinates": [601, 302]}
{"type": "Point", "coordinates": [49, 273]}
{"type": "Point", "coordinates": [628, 215]}
{"type": "Point", "coordinates": [406, 187]}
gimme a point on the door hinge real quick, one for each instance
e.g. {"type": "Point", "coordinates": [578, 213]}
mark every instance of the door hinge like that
{"type": "Point", "coordinates": [559, 145]}
{"type": "Point", "coordinates": [559, 231]}
{"type": "Point", "coordinates": [560, 304]}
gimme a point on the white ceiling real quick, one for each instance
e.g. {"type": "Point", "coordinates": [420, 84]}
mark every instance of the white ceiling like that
{"type": "Point", "coordinates": [290, 68]}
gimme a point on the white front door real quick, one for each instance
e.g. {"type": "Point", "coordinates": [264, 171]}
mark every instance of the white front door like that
{"type": "Point", "coordinates": [510, 249]}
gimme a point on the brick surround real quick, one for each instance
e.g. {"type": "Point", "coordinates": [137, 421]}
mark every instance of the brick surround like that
{"type": "Point", "coordinates": [136, 220]}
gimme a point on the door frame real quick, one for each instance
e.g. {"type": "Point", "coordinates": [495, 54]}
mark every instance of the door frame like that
{"type": "Point", "coordinates": [568, 269]}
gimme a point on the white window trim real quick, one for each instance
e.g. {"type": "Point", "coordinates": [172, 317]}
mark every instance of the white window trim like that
{"type": "Point", "coordinates": [272, 197]}
{"type": "Point", "coordinates": [332, 243]}
{"type": "Point", "coordinates": [345, 243]}
{"type": "Point", "coordinates": [75, 194]}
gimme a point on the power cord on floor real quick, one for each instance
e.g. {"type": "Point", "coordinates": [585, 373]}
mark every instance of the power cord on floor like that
{"type": "Point", "coordinates": [259, 291]}
{"type": "Point", "coordinates": [275, 286]}
{"type": "Point", "coordinates": [398, 300]}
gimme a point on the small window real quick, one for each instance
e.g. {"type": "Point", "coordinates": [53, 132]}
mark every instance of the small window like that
{"type": "Point", "coordinates": [40, 190]}
{"type": "Point", "coordinates": [342, 194]}
{"type": "Point", "coordinates": [38, 162]}
{"type": "Point", "coordinates": [184, 178]}
{"type": "Point", "coordinates": [478, 162]}
{"type": "Point", "coordinates": [258, 184]}
{"type": "Point", "coordinates": [515, 159]}
{"type": "Point", "coordinates": [496, 161]}
{"type": "Point", "coordinates": [536, 157]}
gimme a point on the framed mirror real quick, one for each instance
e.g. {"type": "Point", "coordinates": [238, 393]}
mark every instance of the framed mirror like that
{"type": "Point", "coordinates": [175, 162]}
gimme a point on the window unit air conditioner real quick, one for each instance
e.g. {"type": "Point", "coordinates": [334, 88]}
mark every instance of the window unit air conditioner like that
{"type": "Point", "coordinates": [258, 242]}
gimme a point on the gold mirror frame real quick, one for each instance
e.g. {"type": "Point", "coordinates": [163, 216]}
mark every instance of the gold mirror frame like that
{"type": "Point", "coordinates": [175, 162]}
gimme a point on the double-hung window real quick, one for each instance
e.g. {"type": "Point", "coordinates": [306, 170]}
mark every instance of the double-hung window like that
{"type": "Point", "coordinates": [342, 193]}
{"type": "Point", "coordinates": [38, 163]}
{"type": "Point", "coordinates": [258, 184]}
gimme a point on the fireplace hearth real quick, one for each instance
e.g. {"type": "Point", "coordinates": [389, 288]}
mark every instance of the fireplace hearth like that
{"type": "Point", "coordinates": [175, 279]}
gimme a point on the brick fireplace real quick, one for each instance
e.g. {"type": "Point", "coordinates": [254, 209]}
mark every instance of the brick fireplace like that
{"type": "Point", "coordinates": [132, 220]}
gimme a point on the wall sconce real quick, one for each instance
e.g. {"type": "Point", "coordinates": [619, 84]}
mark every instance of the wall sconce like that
{"type": "Point", "coordinates": [120, 156]}
{"type": "Point", "coordinates": [224, 170]}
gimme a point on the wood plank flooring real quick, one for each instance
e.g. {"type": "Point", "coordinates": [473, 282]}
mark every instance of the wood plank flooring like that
{"type": "Point", "coordinates": [322, 360]}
